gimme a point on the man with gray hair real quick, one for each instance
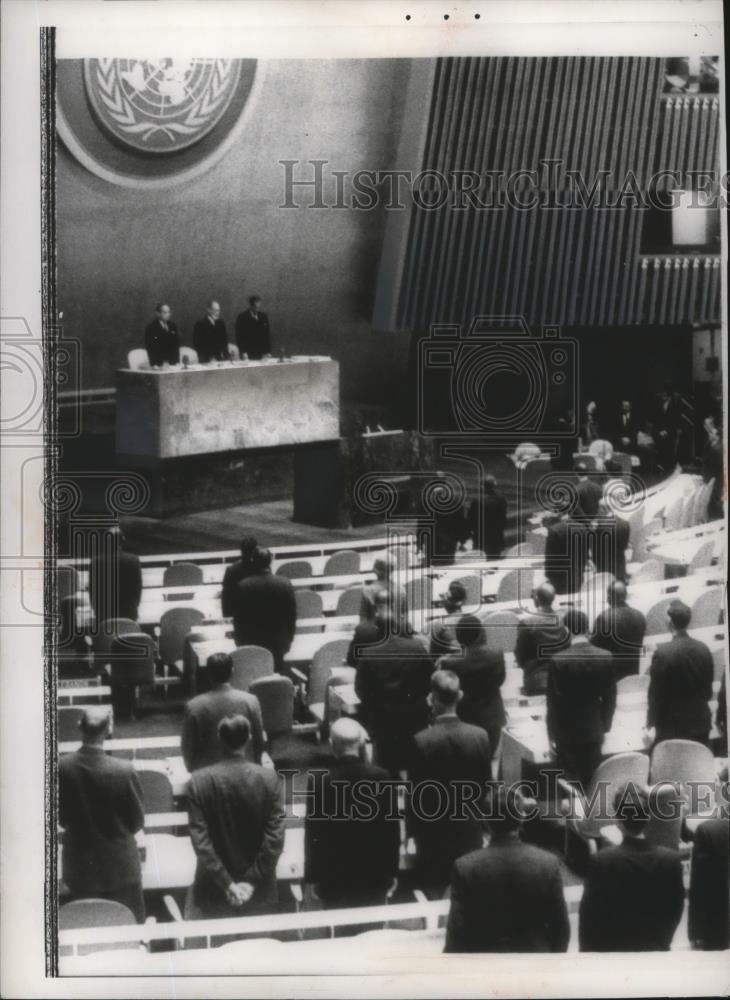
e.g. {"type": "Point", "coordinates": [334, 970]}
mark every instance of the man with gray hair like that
{"type": "Point", "coordinates": [100, 810]}
{"type": "Point", "coordinates": [352, 832]}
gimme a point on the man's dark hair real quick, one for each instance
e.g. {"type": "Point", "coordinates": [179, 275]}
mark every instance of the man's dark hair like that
{"type": "Point", "coordinates": [576, 622]}
{"type": "Point", "coordinates": [248, 547]}
{"type": "Point", "coordinates": [445, 687]}
{"type": "Point", "coordinates": [219, 668]}
{"type": "Point", "coordinates": [234, 731]}
{"type": "Point", "coordinates": [631, 805]}
{"type": "Point", "coordinates": [470, 631]}
{"type": "Point", "coordinates": [616, 592]}
{"type": "Point", "coordinates": [261, 559]}
{"type": "Point", "coordinates": [489, 483]}
{"type": "Point", "coordinates": [253, 298]}
{"type": "Point", "coordinates": [503, 808]}
{"type": "Point", "coordinates": [457, 591]}
{"type": "Point", "coordinates": [679, 614]}
{"type": "Point", "coordinates": [161, 305]}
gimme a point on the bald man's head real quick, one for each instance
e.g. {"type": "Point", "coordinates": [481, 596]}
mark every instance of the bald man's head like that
{"type": "Point", "coordinates": [616, 593]}
{"type": "Point", "coordinates": [544, 595]}
{"type": "Point", "coordinates": [347, 737]}
{"type": "Point", "coordinates": [95, 723]}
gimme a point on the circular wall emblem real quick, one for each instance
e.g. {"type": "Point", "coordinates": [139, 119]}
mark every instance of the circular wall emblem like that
{"type": "Point", "coordinates": [163, 105]}
{"type": "Point", "coordinates": [152, 122]}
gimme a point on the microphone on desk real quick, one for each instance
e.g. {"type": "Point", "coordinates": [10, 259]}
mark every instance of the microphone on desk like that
{"type": "Point", "coordinates": [281, 354]}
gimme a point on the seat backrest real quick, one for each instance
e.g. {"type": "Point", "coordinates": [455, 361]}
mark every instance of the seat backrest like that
{"type": "Point", "coordinates": [639, 537]}
{"type": "Point", "coordinates": [516, 585]}
{"type": "Point", "coordinates": [702, 558]}
{"type": "Point", "coordinates": [342, 563]}
{"type": "Point", "coordinates": [276, 697]}
{"type": "Point", "coordinates": [703, 502]}
{"type": "Point", "coordinates": [349, 602]}
{"type": "Point", "coordinates": [656, 616]}
{"type": "Point", "coordinates": [521, 549]}
{"type": "Point", "coordinates": [250, 663]}
{"type": "Point", "coordinates": [157, 794]}
{"type": "Point", "coordinates": [108, 631]}
{"type": "Point", "coordinates": [419, 593]}
{"type": "Point", "coordinates": [309, 604]}
{"type": "Point", "coordinates": [649, 572]}
{"type": "Point", "coordinates": [68, 723]}
{"type": "Point", "coordinates": [138, 358]}
{"type": "Point", "coordinates": [706, 609]}
{"type": "Point", "coordinates": [718, 658]}
{"type": "Point", "coordinates": [673, 514]}
{"type": "Point", "coordinates": [189, 354]}
{"type": "Point", "coordinates": [472, 584]}
{"type": "Point", "coordinates": [326, 659]}
{"type": "Point", "coordinates": [82, 913]}
{"type": "Point", "coordinates": [607, 778]}
{"type": "Point", "coordinates": [175, 625]}
{"type": "Point", "coordinates": [501, 630]}
{"type": "Point", "coordinates": [182, 574]}
{"type": "Point", "coordinates": [295, 569]}
{"type": "Point", "coordinates": [682, 761]}
{"type": "Point", "coordinates": [634, 684]}
{"type": "Point", "coordinates": [665, 820]}
{"type": "Point", "coordinates": [132, 659]}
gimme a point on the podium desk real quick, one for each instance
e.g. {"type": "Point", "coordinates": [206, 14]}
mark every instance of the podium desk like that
{"type": "Point", "coordinates": [226, 406]}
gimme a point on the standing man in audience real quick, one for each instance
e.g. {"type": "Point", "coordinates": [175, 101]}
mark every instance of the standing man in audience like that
{"type": "Point", "coordinates": [265, 609]}
{"type": "Point", "coordinates": [507, 897]}
{"type": "Point", "coordinates": [567, 551]}
{"type": "Point", "coordinates": [203, 714]}
{"type": "Point", "coordinates": [667, 430]}
{"type": "Point", "coordinates": [210, 338]}
{"type": "Point", "coordinates": [392, 682]}
{"type": "Point", "coordinates": [445, 754]}
{"type": "Point", "coordinates": [581, 700]}
{"type": "Point", "coordinates": [161, 338]}
{"type": "Point", "coordinates": [236, 572]}
{"type": "Point", "coordinates": [350, 857]}
{"type": "Point", "coordinates": [709, 887]}
{"type": "Point", "coordinates": [481, 673]}
{"type": "Point", "coordinates": [609, 539]}
{"type": "Point", "coordinates": [443, 630]}
{"type": "Point", "coordinates": [633, 896]}
{"type": "Point", "coordinates": [384, 568]}
{"type": "Point", "coordinates": [100, 810]}
{"type": "Point", "coordinates": [237, 829]}
{"type": "Point", "coordinates": [115, 580]}
{"type": "Point", "coordinates": [680, 684]}
{"type": "Point", "coordinates": [540, 634]}
{"type": "Point", "coordinates": [253, 334]}
{"type": "Point", "coordinates": [487, 519]}
{"type": "Point", "coordinates": [624, 437]}
{"type": "Point", "coordinates": [620, 629]}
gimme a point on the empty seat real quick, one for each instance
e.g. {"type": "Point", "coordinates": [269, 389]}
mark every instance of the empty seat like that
{"type": "Point", "coordinates": [138, 358]}
{"type": "Point", "coordinates": [174, 627]}
{"type": "Point", "coordinates": [649, 572]}
{"type": "Point", "coordinates": [349, 602]}
{"type": "Point", "coordinates": [107, 632]}
{"type": "Point", "coordinates": [276, 697]}
{"type": "Point", "coordinates": [309, 604]}
{"type": "Point", "coordinates": [656, 617]}
{"type": "Point", "coordinates": [516, 585]}
{"type": "Point", "coordinates": [632, 687]}
{"type": "Point", "coordinates": [702, 558]}
{"type": "Point", "coordinates": [691, 767]}
{"type": "Point", "coordinates": [295, 570]}
{"type": "Point", "coordinates": [68, 723]}
{"type": "Point", "coordinates": [718, 658]}
{"type": "Point", "coordinates": [157, 794]}
{"type": "Point", "coordinates": [501, 630]}
{"type": "Point", "coordinates": [707, 608]}
{"type": "Point", "coordinates": [182, 575]}
{"type": "Point", "coordinates": [607, 779]}
{"type": "Point", "coordinates": [674, 514]}
{"type": "Point", "coordinates": [132, 660]}
{"type": "Point", "coordinates": [82, 913]}
{"type": "Point", "coordinates": [249, 664]}
{"type": "Point", "coordinates": [342, 563]}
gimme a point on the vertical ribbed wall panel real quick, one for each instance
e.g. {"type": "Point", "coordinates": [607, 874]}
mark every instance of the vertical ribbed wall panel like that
{"type": "Point", "coordinates": [577, 266]}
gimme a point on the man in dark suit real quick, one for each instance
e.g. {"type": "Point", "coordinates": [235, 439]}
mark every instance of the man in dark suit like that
{"type": "Point", "coordinates": [624, 435]}
{"type": "Point", "coordinates": [667, 429]}
{"type": "Point", "coordinates": [633, 896]}
{"type": "Point", "coordinates": [539, 635]}
{"type": "Point", "coordinates": [590, 493]}
{"type": "Point", "coordinates": [162, 339]}
{"type": "Point", "coordinates": [200, 743]}
{"type": "Point", "coordinates": [100, 810]}
{"type": "Point", "coordinates": [620, 629]}
{"type": "Point", "coordinates": [392, 682]}
{"type": "Point", "coordinates": [253, 334]}
{"type": "Point", "coordinates": [210, 338]}
{"type": "Point", "coordinates": [487, 519]}
{"type": "Point", "coordinates": [581, 700]}
{"type": "Point", "coordinates": [115, 580]}
{"type": "Point", "coordinates": [507, 897]}
{"type": "Point", "coordinates": [237, 829]}
{"type": "Point", "coordinates": [384, 569]}
{"type": "Point", "coordinates": [444, 823]}
{"type": "Point", "coordinates": [351, 849]}
{"type": "Point", "coordinates": [443, 630]}
{"type": "Point", "coordinates": [265, 610]}
{"type": "Point", "coordinates": [481, 674]}
{"type": "Point", "coordinates": [236, 572]}
{"type": "Point", "coordinates": [680, 685]}
{"type": "Point", "coordinates": [567, 549]}
{"type": "Point", "coordinates": [709, 888]}
{"type": "Point", "coordinates": [442, 530]}
{"type": "Point", "coordinates": [609, 539]}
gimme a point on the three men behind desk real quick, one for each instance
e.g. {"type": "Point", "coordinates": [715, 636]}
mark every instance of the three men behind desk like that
{"type": "Point", "coordinates": [210, 337]}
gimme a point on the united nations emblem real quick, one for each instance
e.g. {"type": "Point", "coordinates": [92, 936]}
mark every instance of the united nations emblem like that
{"type": "Point", "coordinates": [163, 105]}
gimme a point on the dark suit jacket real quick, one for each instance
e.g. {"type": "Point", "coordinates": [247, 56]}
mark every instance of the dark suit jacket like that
{"type": "Point", "coordinates": [120, 599]}
{"type": "Point", "coordinates": [210, 340]}
{"type": "Point", "coordinates": [609, 540]}
{"type": "Point", "coordinates": [253, 335]}
{"type": "Point", "coordinates": [581, 695]}
{"type": "Point", "coordinates": [538, 638]}
{"type": "Point", "coordinates": [709, 888]}
{"type": "Point", "coordinates": [633, 898]}
{"type": "Point", "coordinates": [233, 575]}
{"type": "Point", "coordinates": [625, 430]}
{"type": "Point", "coordinates": [486, 522]}
{"type": "Point", "coordinates": [481, 672]}
{"type": "Point", "coordinates": [680, 689]}
{"type": "Point", "coordinates": [162, 345]}
{"type": "Point", "coordinates": [346, 857]}
{"type": "Point", "coordinates": [392, 683]}
{"type": "Point", "coordinates": [200, 744]}
{"type": "Point", "coordinates": [590, 494]}
{"type": "Point", "coordinates": [507, 897]}
{"type": "Point", "coordinates": [366, 634]}
{"type": "Point", "coordinates": [265, 613]}
{"type": "Point", "coordinates": [566, 552]}
{"type": "Point", "coordinates": [237, 830]}
{"type": "Point", "coordinates": [449, 751]}
{"type": "Point", "coordinates": [621, 630]}
{"type": "Point", "coordinates": [100, 809]}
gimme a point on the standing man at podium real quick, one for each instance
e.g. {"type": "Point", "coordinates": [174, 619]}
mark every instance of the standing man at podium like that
{"type": "Point", "coordinates": [161, 338]}
{"type": "Point", "coordinates": [210, 338]}
{"type": "Point", "coordinates": [252, 331]}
